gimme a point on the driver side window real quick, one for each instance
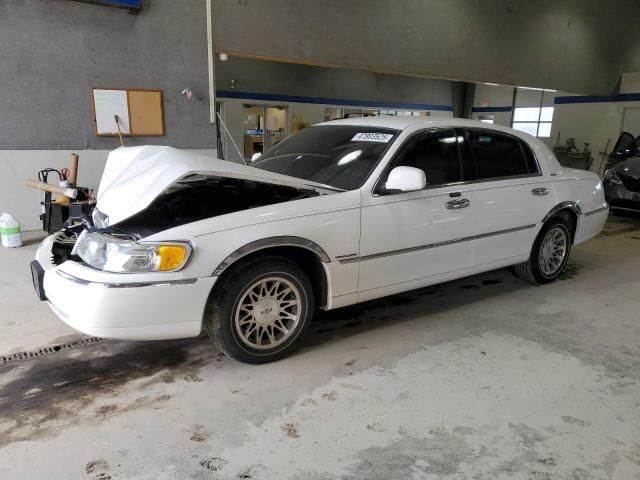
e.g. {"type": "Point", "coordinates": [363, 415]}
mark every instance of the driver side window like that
{"type": "Point", "coordinates": [436, 154]}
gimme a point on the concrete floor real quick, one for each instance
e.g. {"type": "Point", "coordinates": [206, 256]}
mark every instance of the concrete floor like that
{"type": "Point", "coordinates": [486, 377]}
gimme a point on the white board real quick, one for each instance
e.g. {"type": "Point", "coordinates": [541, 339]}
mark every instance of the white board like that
{"type": "Point", "coordinates": [107, 104]}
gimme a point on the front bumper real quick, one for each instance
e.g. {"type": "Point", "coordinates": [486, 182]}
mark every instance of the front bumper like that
{"type": "Point", "coordinates": [127, 307]}
{"type": "Point", "coordinates": [620, 198]}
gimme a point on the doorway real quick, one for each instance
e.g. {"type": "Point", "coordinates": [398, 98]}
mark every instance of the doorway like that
{"type": "Point", "coordinates": [264, 126]}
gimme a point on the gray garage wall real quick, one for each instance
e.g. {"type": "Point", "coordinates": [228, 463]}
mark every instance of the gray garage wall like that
{"type": "Point", "coordinates": [52, 52]}
{"type": "Point", "coordinates": [566, 45]}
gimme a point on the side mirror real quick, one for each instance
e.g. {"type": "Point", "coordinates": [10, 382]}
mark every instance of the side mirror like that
{"type": "Point", "coordinates": [406, 179]}
{"type": "Point", "coordinates": [255, 156]}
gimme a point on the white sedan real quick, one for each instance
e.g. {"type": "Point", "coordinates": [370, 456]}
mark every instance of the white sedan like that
{"type": "Point", "coordinates": [340, 213]}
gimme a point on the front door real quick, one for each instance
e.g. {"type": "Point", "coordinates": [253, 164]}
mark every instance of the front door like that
{"type": "Point", "coordinates": [410, 239]}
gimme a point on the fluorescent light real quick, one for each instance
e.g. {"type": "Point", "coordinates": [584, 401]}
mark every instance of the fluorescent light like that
{"type": "Point", "coordinates": [349, 157]}
{"type": "Point", "coordinates": [451, 140]}
{"type": "Point", "coordinates": [537, 89]}
{"type": "Point", "coordinates": [491, 84]}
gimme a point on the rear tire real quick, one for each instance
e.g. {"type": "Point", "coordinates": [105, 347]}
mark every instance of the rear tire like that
{"type": "Point", "coordinates": [549, 254]}
{"type": "Point", "coordinates": [260, 311]}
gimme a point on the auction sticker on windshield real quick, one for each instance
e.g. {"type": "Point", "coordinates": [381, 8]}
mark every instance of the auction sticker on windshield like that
{"type": "Point", "coordinates": [372, 137]}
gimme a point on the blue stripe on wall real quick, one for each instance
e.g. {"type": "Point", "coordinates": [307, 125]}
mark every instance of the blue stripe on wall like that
{"type": "Point", "coordinates": [272, 97]}
{"type": "Point", "coordinates": [125, 3]}
{"type": "Point", "coordinates": [491, 109]}
{"type": "Point", "coordinates": [623, 97]}
{"type": "Point", "coordinates": [136, 4]}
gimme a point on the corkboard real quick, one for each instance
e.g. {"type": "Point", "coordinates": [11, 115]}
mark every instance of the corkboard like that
{"type": "Point", "coordinates": [139, 112]}
{"type": "Point", "coordinates": [145, 113]}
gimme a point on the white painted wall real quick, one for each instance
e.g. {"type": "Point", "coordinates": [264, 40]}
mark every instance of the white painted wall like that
{"type": "Point", "coordinates": [630, 82]}
{"type": "Point", "coordinates": [631, 119]}
{"type": "Point", "coordinates": [493, 96]}
{"type": "Point", "coordinates": [233, 118]}
{"type": "Point", "coordinates": [17, 166]}
{"type": "Point", "coordinates": [311, 113]}
{"type": "Point", "coordinates": [594, 123]}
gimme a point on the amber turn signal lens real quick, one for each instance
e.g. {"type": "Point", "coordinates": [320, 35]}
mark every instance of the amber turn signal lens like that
{"type": "Point", "coordinates": [171, 257]}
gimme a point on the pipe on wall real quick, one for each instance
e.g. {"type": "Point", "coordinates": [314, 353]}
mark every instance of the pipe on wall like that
{"type": "Point", "coordinates": [211, 64]}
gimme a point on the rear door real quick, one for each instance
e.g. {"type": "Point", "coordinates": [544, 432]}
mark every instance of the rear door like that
{"type": "Point", "coordinates": [511, 194]}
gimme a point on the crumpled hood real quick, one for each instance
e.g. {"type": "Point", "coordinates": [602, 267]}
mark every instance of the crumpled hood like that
{"type": "Point", "coordinates": [629, 167]}
{"type": "Point", "coordinates": [134, 176]}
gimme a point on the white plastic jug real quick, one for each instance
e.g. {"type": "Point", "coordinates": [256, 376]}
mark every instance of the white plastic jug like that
{"type": "Point", "coordinates": [10, 235]}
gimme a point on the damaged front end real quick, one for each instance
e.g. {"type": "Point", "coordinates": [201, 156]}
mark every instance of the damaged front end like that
{"type": "Point", "coordinates": [199, 197]}
{"type": "Point", "coordinates": [125, 273]}
{"type": "Point", "coordinates": [146, 190]}
{"type": "Point", "coordinates": [120, 248]}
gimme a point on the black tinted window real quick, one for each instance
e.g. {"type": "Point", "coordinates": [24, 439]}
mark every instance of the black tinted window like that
{"type": "Point", "coordinates": [532, 165]}
{"type": "Point", "coordinates": [435, 153]}
{"type": "Point", "coordinates": [341, 156]}
{"type": "Point", "coordinates": [499, 155]}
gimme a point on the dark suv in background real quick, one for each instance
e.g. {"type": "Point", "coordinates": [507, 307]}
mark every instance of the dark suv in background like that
{"type": "Point", "coordinates": [622, 175]}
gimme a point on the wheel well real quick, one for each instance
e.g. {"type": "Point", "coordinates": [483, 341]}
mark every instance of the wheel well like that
{"type": "Point", "coordinates": [306, 259]}
{"type": "Point", "coordinates": [570, 216]}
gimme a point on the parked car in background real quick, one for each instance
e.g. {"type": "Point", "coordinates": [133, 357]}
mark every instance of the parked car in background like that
{"type": "Point", "coordinates": [622, 175]}
{"type": "Point", "coordinates": [340, 213]}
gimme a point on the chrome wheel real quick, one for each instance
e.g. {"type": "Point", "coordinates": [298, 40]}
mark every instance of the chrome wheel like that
{"type": "Point", "coordinates": [553, 251]}
{"type": "Point", "coordinates": [268, 313]}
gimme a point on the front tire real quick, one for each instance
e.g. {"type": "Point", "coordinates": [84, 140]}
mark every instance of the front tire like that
{"type": "Point", "coordinates": [261, 310]}
{"type": "Point", "coordinates": [549, 254]}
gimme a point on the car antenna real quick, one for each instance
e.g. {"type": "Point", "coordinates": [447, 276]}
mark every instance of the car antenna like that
{"type": "Point", "coordinates": [231, 138]}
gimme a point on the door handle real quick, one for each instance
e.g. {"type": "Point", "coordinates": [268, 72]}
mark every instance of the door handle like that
{"type": "Point", "coordinates": [540, 191]}
{"type": "Point", "coordinates": [456, 204]}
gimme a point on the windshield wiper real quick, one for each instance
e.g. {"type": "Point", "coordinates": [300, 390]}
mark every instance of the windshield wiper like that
{"type": "Point", "coordinates": [328, 187]}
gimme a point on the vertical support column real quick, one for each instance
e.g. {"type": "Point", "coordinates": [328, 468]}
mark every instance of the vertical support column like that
{"type": "Point", "coordinates": [211, 64]}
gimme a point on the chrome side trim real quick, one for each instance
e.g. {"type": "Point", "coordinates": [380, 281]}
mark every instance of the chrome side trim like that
{"type": "Point", "coordinates": [373, 256]}
{"type": "Point", "coordinates": [502, 232]}
{"type": "Point", "coordinates": [627, 209]}
{"type": "Point", "coordinates": [597, 210]}
{"type": "Point", "coordinates": [347, 255]}
{"type": "Point", "coordinates": [283, 241]}
{"type": "Point", "coordinates": [159, 283]}
{"type": "Point", "coordinates": [561, 206]}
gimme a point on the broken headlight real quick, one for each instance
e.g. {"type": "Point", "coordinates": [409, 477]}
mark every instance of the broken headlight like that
{"type": "Point", "coordinates": [123, 255]}
{"type": "Point", "coordinates": [100, 220]}
{"type": "Point", "coordinates": [611, 177]}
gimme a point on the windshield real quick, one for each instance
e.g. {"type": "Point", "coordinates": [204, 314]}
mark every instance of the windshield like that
{"type": "Point", "coordinates": [341, 156]}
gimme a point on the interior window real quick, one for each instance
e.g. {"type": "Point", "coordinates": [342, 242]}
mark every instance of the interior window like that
{"type": "Point", "coordinates": [499, 156]}
{"type": "Point", "coordinates": [436, 154]}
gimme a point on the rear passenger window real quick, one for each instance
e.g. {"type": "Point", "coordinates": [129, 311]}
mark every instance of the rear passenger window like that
{"type": "Point", "coordinates": [500, 156]}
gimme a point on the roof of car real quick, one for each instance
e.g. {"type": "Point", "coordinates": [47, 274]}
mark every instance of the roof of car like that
{"type": "Point", "coordinates": [402, 123]}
